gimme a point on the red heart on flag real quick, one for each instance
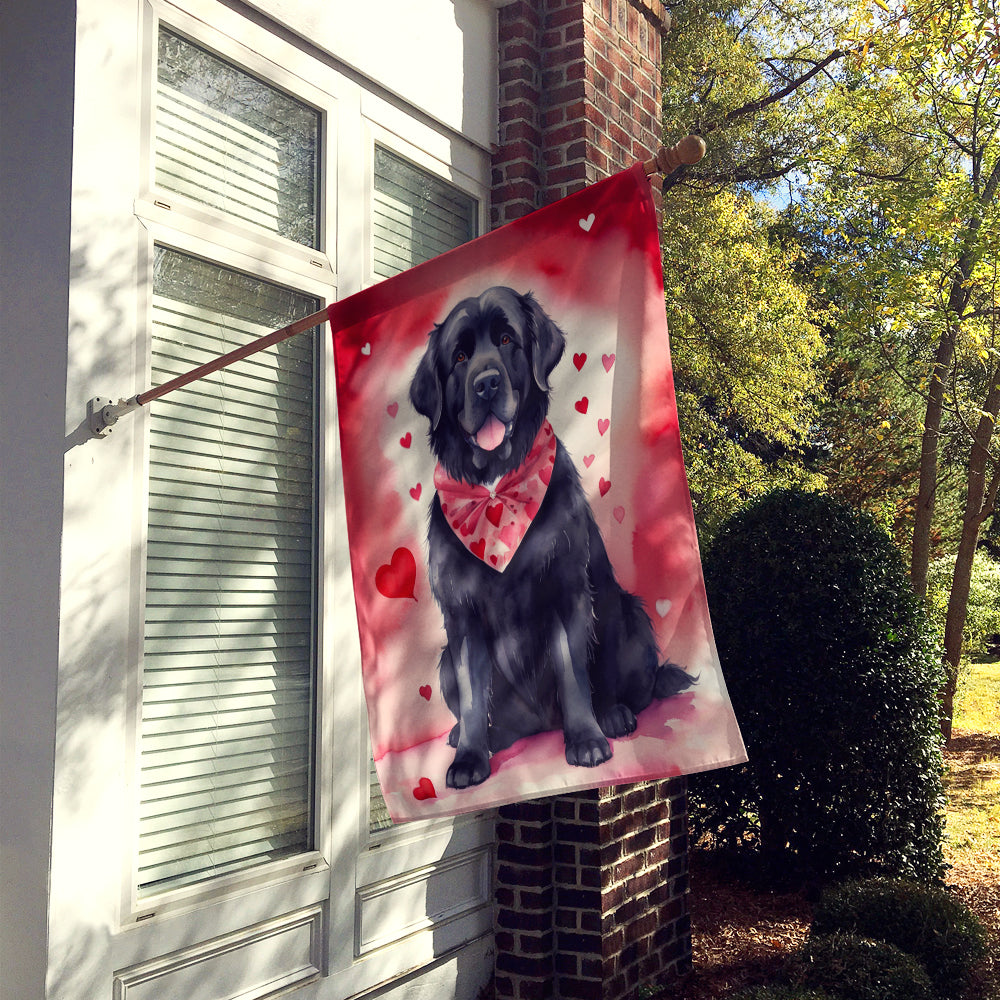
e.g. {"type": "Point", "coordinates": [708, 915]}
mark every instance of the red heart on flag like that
{"type": "Point", "coordinates": [545, 474]}
{"type": "Point", "coordinates": [398, 577]}
{"type": "Point", "coordinates": [493, 514]}
{"type": "Point", "coordinates": [425, 692]}
{"type": "Point", "coordinates": [392, 409]}
{"type": "Point", "coordinates": [604, 486]}
{"type": "Point", "coordinates": [582, 404]}
{"type": "Point", "coordinates": [602, 426]}
{"type": "Point", "coordinates": [608, 360]}
{"type": "Point", "coordinates": [425, 790]}
{"type": "Point", "coordinates": [619, 513]}
{"type": "Point", "coordinates": [588, 460]}
{"type": "Point", "coordinates": [415, 491]}
{"type": "Point", "coordinates": [478, 548]}
{"type": "Point", "coordinates": [406, 439]}
{"type": "Point", "coordinates": [579, 360]}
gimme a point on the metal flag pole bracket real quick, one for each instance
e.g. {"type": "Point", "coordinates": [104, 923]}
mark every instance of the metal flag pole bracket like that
{"type": "Point", "coordinates": [103, 413]}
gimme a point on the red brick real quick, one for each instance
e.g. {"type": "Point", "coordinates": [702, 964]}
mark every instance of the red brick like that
{"type": "Point", "coordinates": [581, 989]}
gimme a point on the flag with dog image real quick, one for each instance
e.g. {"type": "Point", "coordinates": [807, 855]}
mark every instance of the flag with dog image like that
{"type": "Point", "coordinates": [525, 570]}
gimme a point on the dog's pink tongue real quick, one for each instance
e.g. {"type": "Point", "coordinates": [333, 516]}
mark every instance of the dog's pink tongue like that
{"type": "Point", "coordinates": [491, 434]}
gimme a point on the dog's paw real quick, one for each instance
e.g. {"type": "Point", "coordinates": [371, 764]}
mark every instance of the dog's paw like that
{"type": "Point", "coordinates": [454, 734]}
{"type": "Point", "coordinates": [469, 768]}
{"type": "Point", "coordinates": [588, 752]}
{"type": "Point", "coordinates": [618, 720]}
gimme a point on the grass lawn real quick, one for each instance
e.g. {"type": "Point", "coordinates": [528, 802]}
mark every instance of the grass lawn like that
{"type": "Point", "coordinates": [974, 770]}
{"type": "Point", "coordinates": [973, 811]}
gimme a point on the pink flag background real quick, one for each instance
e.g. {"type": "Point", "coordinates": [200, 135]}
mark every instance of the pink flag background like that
{"type": "Point", "coordinates": [593, 263]}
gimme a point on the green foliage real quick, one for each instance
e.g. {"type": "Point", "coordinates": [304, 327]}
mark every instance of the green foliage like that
{"type": "Point", "coordinates": [783, 993]}
{"type": "Point", "coordinates": [856, 968]}
{"type": "Point", "coordinates": [833, 674]}
{"type": "Point", "coordinates": [746, 355]}
{"type": "Point", "coordinates": [983, 612]}
{"type": "Point", "coordinates": [744, 340]}
{"type": "Point", "coordinates": [926, 922]}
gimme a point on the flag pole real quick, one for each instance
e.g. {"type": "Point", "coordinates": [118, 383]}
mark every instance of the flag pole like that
{"type": "Point", "coordinates": [687, 152]}
{"type": "Point", "coordinates": [103, 413]}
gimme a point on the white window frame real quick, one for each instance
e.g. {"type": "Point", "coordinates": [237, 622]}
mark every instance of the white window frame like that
{"type": "Point", "coordinates": [350, 871]}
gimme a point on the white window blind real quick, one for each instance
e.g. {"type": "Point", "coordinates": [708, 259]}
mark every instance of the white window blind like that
{"type": "Point", "coordinates": [228, 686]}
{"type": "Point", "coordinates": [416, 216]}
{"type": "Point", "coordinates": [230, 141]}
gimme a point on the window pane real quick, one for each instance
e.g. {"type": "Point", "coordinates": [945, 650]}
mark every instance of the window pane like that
{"type": "Point", "coordinates": [228, 140]}
{"type": "Point", "coordinates": [416, 217]}
{"type": "Point", "coordinates": [228, 655]}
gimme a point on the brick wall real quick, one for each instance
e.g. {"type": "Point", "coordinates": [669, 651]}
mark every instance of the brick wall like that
{"type": "Point", "coordinates": [591, 889]}
{"type": "Point", "coordinates": [579, 96]}
{"type": "Point", "coordinates": [591, 893]}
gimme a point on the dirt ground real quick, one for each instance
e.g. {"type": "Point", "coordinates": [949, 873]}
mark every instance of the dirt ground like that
{"type": "Point", "coordinates": [742, 935]}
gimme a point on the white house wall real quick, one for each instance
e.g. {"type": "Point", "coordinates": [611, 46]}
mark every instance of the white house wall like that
{"type": "Point", "coordinates": [36, 109]}
{"type": "Point", "coordinates": [429, 52]}
{"type": "Point", "coordinates": [73, 292]}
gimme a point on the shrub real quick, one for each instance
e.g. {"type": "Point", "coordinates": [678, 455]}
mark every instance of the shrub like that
{"type": "Point", "coordinates": [925, 922]}
{"type": "Point", "coordinates": [783, 993]}
{"type": "Point", "coordinates": [856, 968]}
{"type": "Point", "coordinates": [833, 673]}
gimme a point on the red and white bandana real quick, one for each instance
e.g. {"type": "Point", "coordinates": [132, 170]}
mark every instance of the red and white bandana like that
{"type": "Point", "coordinates": [491, 523]}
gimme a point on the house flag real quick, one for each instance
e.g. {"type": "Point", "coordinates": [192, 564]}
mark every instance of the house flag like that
{"type": "Point", "coordinates": [527, 581]}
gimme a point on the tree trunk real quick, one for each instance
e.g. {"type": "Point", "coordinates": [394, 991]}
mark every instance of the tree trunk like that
{"type": "Point", "coordinates": [980, 499]}
{"type": "Point", "coordinates": [920, 553]}
{"type": "Point", "coordinates": [958, 299]}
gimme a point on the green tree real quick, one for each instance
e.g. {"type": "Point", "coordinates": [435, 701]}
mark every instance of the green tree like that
{"type": "Point", "coordinates": [911, 187]}
{"type": "Point", "coordinates": [748, 358]}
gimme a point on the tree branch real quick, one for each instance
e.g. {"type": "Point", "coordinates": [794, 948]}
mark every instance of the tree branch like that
{"type": "Point", "coordinates": [754, 106]}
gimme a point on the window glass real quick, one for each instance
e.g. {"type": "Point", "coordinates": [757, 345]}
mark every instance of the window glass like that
{"type": "Point", "coordinates": [228, 140]}
{"type": "Point", "coordinates": [416, 215]}
{"type": "Point", "coordinates": [228, 680]}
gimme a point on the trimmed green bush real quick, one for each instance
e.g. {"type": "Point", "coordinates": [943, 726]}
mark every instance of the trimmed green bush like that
{"type": "Point", "coordinates": [856, 968]}
{"type": "Point", "coordinates": [783, 993]}
{"type": "Point", "coordinates": [925, 922]}
{"type": "Point", "coordinates": [833, 672]}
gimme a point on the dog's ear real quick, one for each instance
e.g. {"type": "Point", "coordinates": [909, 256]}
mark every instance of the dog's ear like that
{"type": "Point", "coordinates": [425, 389]}
{"type": "Point", "coordinates": [548, 341]}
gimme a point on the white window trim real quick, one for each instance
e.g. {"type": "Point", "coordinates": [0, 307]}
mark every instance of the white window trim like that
{"type": "Point", "coordinates": [347, 859]}
{"type": "Point", "coordinates": [193, 241]}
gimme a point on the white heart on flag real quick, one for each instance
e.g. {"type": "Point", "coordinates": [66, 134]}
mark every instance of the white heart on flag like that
{"type": "Point", "coordinates": [663, 606]}
{"type": "Point", "coordinates": [585, 224]}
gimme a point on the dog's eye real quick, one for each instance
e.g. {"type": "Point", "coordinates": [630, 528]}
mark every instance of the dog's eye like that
{"type": "Point", "coordinates": [505, 339]}
{"type": "Point", "coordinates": [460, 356]}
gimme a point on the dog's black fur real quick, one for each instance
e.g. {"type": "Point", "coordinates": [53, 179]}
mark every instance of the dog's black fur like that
{"type": "Point", "coordinates": [553, 641]}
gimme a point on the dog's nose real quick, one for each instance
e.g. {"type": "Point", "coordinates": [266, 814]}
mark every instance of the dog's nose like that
{"type": "Point", "coordinates": [487, 384]}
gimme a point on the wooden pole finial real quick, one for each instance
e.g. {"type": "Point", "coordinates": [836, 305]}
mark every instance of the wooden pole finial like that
{"type": "Point", "coordinates": [668, 158]}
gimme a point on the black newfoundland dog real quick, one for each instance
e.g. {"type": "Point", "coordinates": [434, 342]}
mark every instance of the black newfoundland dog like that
{"type": "Point", "coordinates": [552, 641]}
